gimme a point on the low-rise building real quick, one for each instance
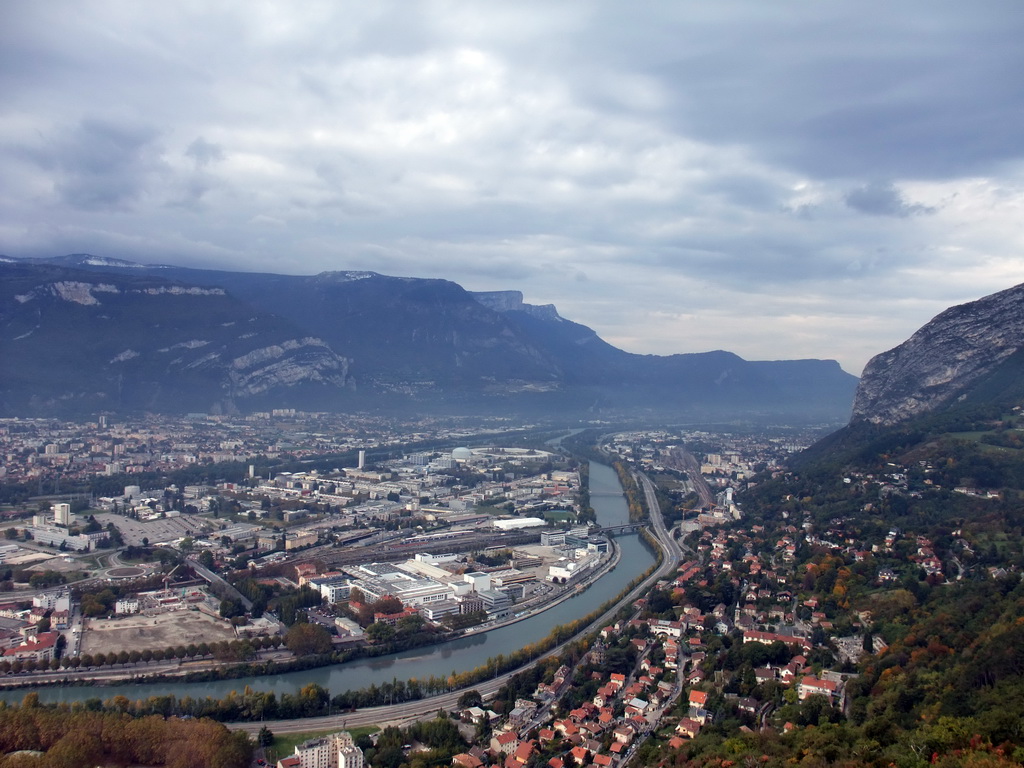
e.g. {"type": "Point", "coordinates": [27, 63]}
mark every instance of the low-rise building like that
{"type": "Point", "coordinates": [40, 648]}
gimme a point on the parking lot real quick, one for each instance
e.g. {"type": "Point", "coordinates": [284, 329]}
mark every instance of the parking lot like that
{"type": "Point", "coordinates": [154, 531]}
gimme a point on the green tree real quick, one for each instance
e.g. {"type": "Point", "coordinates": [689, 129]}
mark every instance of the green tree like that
{"type": "Point", "coordinates": [307, 639]}
{"type": "Point", "coordinates": [379, 633]}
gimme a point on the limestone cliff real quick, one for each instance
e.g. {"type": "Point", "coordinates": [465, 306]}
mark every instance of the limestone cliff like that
{"type": "Point", "coordinates": [953, 352]}
{"type": "Point", "coordinates": [512, 301]}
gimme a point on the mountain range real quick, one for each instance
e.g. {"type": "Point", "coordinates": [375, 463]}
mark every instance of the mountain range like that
{"type": "Point", "coordinates": [81, 334]}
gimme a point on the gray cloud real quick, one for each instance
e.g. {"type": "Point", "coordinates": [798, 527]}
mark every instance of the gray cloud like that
{"type": "Point", "coordinates": [883, 199]}
{"type": "Point", "coordinates": [104, 165]}
{"type": "Point", "coordinates": [204, 152]}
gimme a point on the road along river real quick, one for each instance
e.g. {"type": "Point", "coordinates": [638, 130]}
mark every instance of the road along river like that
{"type": "Point", "coordinates": [461, 654]}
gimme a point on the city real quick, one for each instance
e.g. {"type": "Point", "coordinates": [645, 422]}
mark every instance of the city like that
{"type": "Point", "coordinates": [426, 545]}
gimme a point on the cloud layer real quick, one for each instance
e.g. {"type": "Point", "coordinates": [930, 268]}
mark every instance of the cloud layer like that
{"type": "Point", "coordinates": [780, 180]}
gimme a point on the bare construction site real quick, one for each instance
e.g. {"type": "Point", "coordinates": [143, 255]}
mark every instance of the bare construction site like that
{"type": "Point", "coordinates": [139, 632]}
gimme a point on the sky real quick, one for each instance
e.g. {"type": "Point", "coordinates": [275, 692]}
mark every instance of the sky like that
{"type": "Point", "coordinates": [778, 179]}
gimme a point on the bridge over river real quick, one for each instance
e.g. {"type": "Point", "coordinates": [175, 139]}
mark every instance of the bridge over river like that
{"type": "Point", "coordinates": [618, 529]}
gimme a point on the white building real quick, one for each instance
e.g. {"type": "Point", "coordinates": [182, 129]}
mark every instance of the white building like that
{"type": "Point", "coordinates": [350, 756]}
{"type": "Point", "coordinates": [515, 523]}
{"type": "Point", "coordinates": [127, 605]}
{"type": "Point", "coordinates": [53, 601]}
{"type": "Point", "coordinates": [58, 536]}
{"type": "Point", "coordinates": [566, 570]}
{"type": "Point", "coordinates": [377, 580]}
{"type": "Point", "coordinates": [334, 751]}
{"type": "Point", "coordinates": [62, 514]}
{"type": "Point", "coordinates": [333, 588]}
{"type": "Point", "coordinates": [481, 581]}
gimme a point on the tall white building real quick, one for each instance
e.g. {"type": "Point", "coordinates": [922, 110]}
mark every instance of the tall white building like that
{"type": "Point", "coordinates": [335, 751]}
{"type": "Point", "coordinates": [62, 514]}
{"type": "Point", "coordinates": [350, 756]}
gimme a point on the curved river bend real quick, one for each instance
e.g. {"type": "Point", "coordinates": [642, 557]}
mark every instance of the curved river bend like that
{"type": "Point", "coordinates": [461, 654]}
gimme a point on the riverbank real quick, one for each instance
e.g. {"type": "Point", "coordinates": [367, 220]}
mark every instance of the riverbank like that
{"type": "Point", "coordinates": [445, 660]}
{"type": "Point", "coordinates": [282, 661]}
{"type": "Point", "coordinates": [566, 594]}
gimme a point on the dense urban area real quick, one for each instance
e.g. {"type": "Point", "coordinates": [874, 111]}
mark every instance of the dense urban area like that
{"type": "Point", "coordinates": [786, 615]}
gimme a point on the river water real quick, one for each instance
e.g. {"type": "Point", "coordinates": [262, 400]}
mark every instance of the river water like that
{"type": "Point", "coordinates": [455, 655]}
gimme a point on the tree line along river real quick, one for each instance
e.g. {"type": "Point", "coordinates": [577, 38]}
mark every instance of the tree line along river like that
{"type": "Point", "coordinates": [457, 655]}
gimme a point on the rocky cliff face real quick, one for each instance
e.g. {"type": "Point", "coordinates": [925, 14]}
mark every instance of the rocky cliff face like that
{"type": "Point", "coordinates": [291, 363]}
{"type": "Point", "coordinates": [512, 301]}
{"type": "Point", "coordinates": [955, 351]}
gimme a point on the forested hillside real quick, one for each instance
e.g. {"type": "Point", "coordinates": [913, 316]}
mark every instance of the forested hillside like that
{"type": "Point", "coordinates": [906, 545]}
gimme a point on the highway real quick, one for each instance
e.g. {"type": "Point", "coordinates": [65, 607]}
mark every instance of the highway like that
{"type": "Point", "coordinates": [409, 711]}
{"type": "Point", "coordinates": [673, 552]}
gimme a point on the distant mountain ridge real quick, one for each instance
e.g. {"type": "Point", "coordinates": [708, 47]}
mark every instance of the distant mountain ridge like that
{"type": "Point", "coordinates": [346, 340]}
{"type": "Point", "coordinates": [76, 341]}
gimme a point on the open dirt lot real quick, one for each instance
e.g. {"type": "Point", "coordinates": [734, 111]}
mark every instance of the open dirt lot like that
{"type": "Point", "coordinates": [141, 632]}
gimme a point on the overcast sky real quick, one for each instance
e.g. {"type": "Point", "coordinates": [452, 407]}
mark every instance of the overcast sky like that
{"type": "Point", "coordinates": [778, 179]}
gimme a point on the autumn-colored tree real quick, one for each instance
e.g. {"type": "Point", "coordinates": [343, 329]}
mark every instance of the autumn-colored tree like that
{"type": "Point", "coordinates": [306, 639]}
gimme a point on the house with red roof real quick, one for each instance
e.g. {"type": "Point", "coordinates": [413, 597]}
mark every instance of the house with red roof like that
{"type": "Point", "coordinates": [580, 754]}
{"type": "Point", "coordinates": [567, 728]}
{"type": "Point", "coordinates": [813, 686]}
{"type": "Point", "coordinates": [688, 727]}
{"type": "Point", "coordinates": [466, 760]}
{"type": "Point", "coordinates": [505, 743]}
{"type": "Point", "coordinates": [623, 734]}
{"type": "Point", "coordinates": [637, 707]}
{"type": "Point", "coordinates": [39, 648]}
{"type": "Point", "coordinates": [523, 753]}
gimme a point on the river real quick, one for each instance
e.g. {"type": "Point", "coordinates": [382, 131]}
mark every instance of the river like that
{"type": "Point", "coordinates": [455, 655]}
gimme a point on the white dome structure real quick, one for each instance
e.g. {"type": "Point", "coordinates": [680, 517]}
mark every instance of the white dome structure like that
{"type": "Point", "coordinates": [462, 454]}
